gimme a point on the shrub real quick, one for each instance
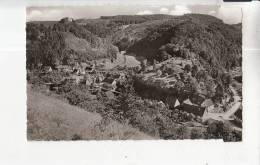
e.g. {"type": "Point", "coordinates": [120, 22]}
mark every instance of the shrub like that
{"type": "Point", "coordinates": [77, 97]}
{"type": "Point", "coordinates": [195, 134]}
{"type": "Point", "coordinates": [76, 137]}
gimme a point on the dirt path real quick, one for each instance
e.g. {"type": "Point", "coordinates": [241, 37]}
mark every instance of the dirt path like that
{"type": "Point", "coordinates": [236, 104]}
{"type": "Point", "coordinates": [226, 116]}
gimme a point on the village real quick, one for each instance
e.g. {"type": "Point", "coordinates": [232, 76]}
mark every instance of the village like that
{"type": "Point", "coordinates": [170, 75]}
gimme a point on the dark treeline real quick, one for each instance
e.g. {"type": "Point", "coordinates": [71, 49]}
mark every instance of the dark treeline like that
{"type": "Point", "coordinates": [47, 46]}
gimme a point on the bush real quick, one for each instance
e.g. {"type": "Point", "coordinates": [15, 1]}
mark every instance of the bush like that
{"type": "Point", "coordinates": [231, 135]}
{"type": "Point", "coordinates": [215, 128]}
{"type": "Point", "coordinates": [195, 134]}
{"type": "Point", "coordinates": [76, 137]}
{"type": "Point", "coordinates": [77, 97]}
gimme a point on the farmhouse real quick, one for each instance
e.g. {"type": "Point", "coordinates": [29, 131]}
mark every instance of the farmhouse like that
{"type": "Point", "coordinates": [207, 103]}
{"type": "Point", "coordinates": [66, 20]}
{"type": "Point", "coordinates": [77, 79]}
{"type": "Point", "coordinates": [47, 69]}
{"type": "Point", "coordinates": [189, 107]}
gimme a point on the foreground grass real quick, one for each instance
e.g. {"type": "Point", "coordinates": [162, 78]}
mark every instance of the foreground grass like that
{"type": "Point", "coordinates": [49, 118]}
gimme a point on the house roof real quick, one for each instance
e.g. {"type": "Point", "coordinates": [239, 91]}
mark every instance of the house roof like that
{"type": "Point", "coordinates": [108, 80]}
{"type": "Point", "coordinates": [194, 109]}
{"type": "Point", "coordinates": [177, 103]}
{"type": "Point", "coordinates": [84, 65]}
{"type": "Point", "coordinates": [187, 101]}
{"type": "Point", "coordinates": [110, 95]}
{"type": "Point", "coordinates": [207, 103]}
{"type": "Point", "coordinates": [76, 77]}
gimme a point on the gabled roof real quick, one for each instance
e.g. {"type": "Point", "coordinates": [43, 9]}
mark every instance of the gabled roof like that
{"type": "Point", "coordinates": [177, 103]}
{"type": "Point", "coordinates": [187, 101]}
{"type": "Point", "coordinates": [192, 108]}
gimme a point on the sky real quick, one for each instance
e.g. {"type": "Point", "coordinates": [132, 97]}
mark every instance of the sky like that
{"type": "Point", "coordinates": [230, 15]}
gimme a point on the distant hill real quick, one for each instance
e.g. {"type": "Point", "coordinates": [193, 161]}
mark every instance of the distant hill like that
{"type": "Point", "coordinates": [63, 43]}
{"type": "Point", "coordinates": [45, 23]}
{"type": "Point", "coordinates": [108, 25]}
{"type": "Point", "coordinates": [207, 38]}
{"type": "Point", "coordinates": [216, 45]}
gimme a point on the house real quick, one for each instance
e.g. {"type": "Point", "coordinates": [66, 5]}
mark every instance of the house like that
{"type": "Point", "coordinates": [53, 86]}
{"type": "Point", "coordinates": [158, 73]}
{"type": "Point", "coordinates": [187, 101]}
{"type": "Point", "coordinates": [77, 79]}
{"type": "Point", "coordinates": [47, 69]}
{"type": "Point", "coordinates": [114, 85]}
{"type": "Point", "coordinates": [161, 104]}
{"type": "Point", "coordinates": [99, 78]}
{"type": "Point", "coordinates": [109, 83]}
{"type": "Point", "coordinates": [122, 76]}
{"type": "Point", "coordinates": [89, 80]}
{"type": "Point", "coordinates": [110, 95]}
{"type": "Point", "coordinates": [76, 71]}
{"type": "Point", "coordinates": [66, 20]}
{"type": "Point", "coordinates": [189, 107]}
{"type": "Point", "coordinates": [84, 65]}
{"type": "Point", "coordinates": [210, 108]}
{"type": "Point", "coordinates": [207, 103]}
{"type": "Point", "coordinates": [64, 68]}
{"type": "Point", "coordinates": [202, 88]}
{"type": "Point", "coordinates": [59, 67]}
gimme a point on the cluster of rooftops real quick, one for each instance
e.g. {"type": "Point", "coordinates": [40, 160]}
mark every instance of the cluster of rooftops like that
{"type": "Point", "coordinates": [96, 78]}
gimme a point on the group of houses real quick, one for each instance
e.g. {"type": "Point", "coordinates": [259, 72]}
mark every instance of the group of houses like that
{"type": "Point", "coordinates": [97, 79]}
{"type": "Point", "coordinates": [197, 104]}
{"type": "Point", "coordinates": [198, 108]}
{"type": "Point", "coordinates": [90, 74]}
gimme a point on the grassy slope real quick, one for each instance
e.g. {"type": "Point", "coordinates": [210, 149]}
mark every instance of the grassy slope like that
{"type": "Point", "coordinates": [75, 43]}
{"type": "Point", "coordinates": [53, 119]}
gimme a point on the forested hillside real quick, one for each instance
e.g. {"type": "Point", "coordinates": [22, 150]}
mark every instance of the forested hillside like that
{"type": "Point", "coordinates": [205, 39]}
{"type": "Point", "coordinates": [202, 37]}
{"type": "Point", "coordinates": [184, 78]}
{"type": "Point", "coordinates": [64, 43]}
{"type": "Point", "coordinates": [107, 26]}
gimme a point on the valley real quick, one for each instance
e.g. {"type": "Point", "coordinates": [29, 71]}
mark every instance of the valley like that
{"type": "Point", "coordinates": [160, 76]}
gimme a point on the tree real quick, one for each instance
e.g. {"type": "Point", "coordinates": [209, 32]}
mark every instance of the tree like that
{"type": "Point", "coordinates": [210, 88]}
{"type": "Point", "coordinates": [179, 86]}
{"type": "Point", "coordinates": [194, 70]}
{"type": "Point", "coordinates": [32, 32]}
{"type": "Point", "coordinates": [194, 86]}
{"type": "Point", "coordinates": [163, 55]}
{"type": "Point", "coordinates": [187, 68]}
{"type": "Point", "coordinates": [195, 134]}
{"type": "Point", "coordinates": [215, 73]}
{"type": "Point", "coordinates": [201, 75]}
{"type": "Point", "coordinates": [226, 79]}
{"type": "Point", "coordinates": [52, 48]}
{"type": "Point", "coordinates": [203, 54]}
{"type": "Point", "coordinates": [219, 91]}
{"type": "Point", "coordinates": [143, 65]}
{"type": "Point", "coordinates": [112, 52]}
